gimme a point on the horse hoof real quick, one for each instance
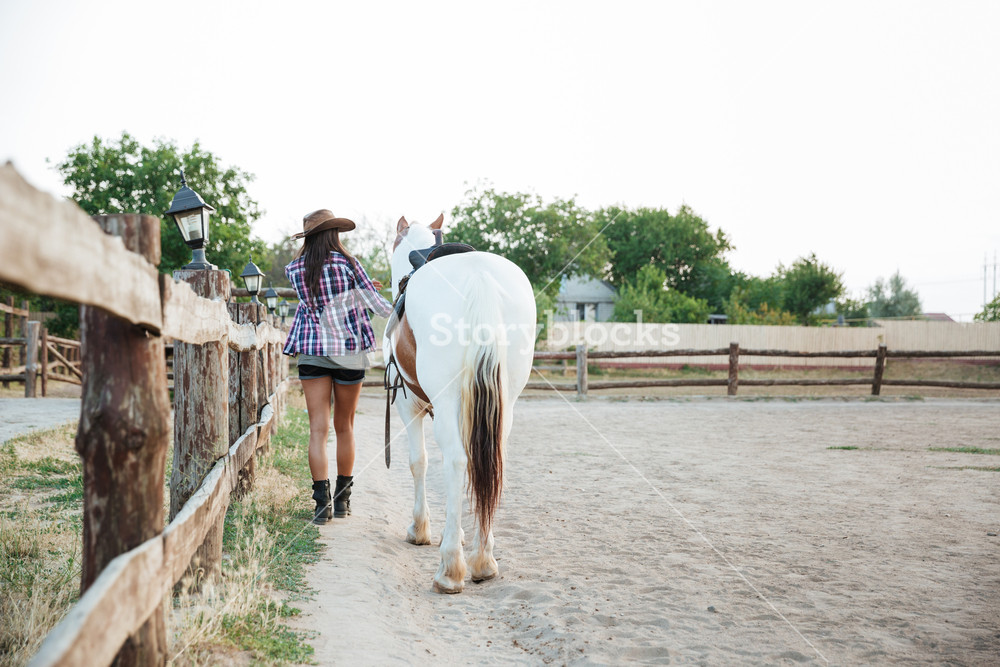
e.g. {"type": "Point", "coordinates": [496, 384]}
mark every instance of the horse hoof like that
{"type": "Point", "coordinates": [478, 579]}
{"type": "Point", "coordinates": [448, 590]}
{"type": "Point", "coordinates": [412, 539]}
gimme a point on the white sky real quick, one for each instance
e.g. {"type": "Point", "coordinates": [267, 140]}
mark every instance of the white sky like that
{"type": "Point", "coordinates": [866, 132]}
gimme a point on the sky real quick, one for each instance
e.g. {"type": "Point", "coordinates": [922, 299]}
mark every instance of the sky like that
{"type": "Point", "coordinates": [865, 132]}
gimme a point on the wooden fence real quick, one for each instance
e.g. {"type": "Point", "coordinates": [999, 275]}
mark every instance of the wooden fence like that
{"type": "Point", "coordinates": [733, 382]}
{"type": "Point", "coordinates": [60, 357]}
{"type": "Point", "coordinates": [229, 385]}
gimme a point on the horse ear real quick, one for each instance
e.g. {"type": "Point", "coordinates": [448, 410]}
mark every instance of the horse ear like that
{"type": "Point", "coordinates": [437, 223]}
{"type": "Point", "coordinates": [401, 225]}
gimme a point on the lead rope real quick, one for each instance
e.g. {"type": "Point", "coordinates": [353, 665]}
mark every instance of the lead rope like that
{"type": "Point", "coordinates": [390, 397]}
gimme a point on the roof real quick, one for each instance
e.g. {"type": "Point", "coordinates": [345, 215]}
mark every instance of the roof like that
{"type": "Point", "coordinates": [938, 317]}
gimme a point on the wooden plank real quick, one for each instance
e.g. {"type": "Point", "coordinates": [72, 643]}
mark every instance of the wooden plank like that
{"type": "Point", "coordinates": [283, 292]}
{"type": "Point", "coordinates": [52, 247]}
{"type": "Point", "coordinates": [190, 318]}
{"type": "Point", "coordinates": [557, 386]}
{"type": "Point", "coordinates": [186, 533]}
{"type": "Point", "coordinates": [68, 342]}
{"type": "Point", "coordinates": [8, 329]}
{"type": "Point", "coordinates": [790, 353]}
{"type": "Point", "coordinates": [13, 341]}
{"type": "Point", "coordinates": [879, 370]}
{"type": "Point", "coordinates": [581, 371]}
{"type": "Point", "coordinates": [804, 382]}
{"type": "Point", "coordinates": [617, 384]}
{"type": "Point", "coordinates": [44, 349]}
{"type": "Point", "coordinates": [942, 383]}
{"type": "Point", "coordinates": [11, 310]}
{"type": "Point", "coordinates": [617, 354]}
{"type": "Point", "coordinates": [942, 353]}
{"type": "Point", "coordinates": [120, 600]}
{"type": "Point", "coordinates": [65, 378]}
{"type": "Point", "coordinates": [71, 366]}
{"type": "Point", "coordinates": [242, 450]}
{"type": "Point", "coordinates": [539, 354]}
{"type": "Point", "coordinates": [18, 377]}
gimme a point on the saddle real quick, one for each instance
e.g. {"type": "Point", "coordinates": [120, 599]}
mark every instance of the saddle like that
{"type": "Point", "coordinates": [418, 258]}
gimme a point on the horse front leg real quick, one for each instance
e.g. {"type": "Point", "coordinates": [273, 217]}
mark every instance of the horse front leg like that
{"type": "Point", "coordinates": [450, 577]}
{"type": "Point", "coordinates": [412, 413]}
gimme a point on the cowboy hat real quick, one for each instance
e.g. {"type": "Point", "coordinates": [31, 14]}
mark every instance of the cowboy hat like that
{"type": "Point", "coordinates": [321, 220]}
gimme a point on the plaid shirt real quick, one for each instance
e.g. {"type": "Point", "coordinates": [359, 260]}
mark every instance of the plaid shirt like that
{"type": "Point", "coordinates": [334, 322]}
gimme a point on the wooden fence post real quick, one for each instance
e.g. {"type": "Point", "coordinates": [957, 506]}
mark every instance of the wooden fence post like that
{"type": "Point", "coordinates": [45, 361]}
{"type": "Point", "coordinates": [31, 359]}
{"type": "Point", "coordinates": [8, 332]}
{"type": "Point", "coordinates": [879, 370]}
{"type": "Point", "coordinates": [122, 438]}
{"type": "Point", "coordinates": [248, 399]}
{"type": "Point", "coordinates": [581, 371]}
{"type": "Point", "coordinates": [734, 369]}
{"type": "Point", "coordinates": [201, 420]}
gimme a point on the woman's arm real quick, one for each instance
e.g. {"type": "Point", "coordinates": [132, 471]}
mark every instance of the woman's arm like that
{"type": "Point", "coordinates": [373, 300]}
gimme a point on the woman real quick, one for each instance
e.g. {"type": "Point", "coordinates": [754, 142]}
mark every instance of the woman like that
{"type": "Point", "coordinates": [331, 334]}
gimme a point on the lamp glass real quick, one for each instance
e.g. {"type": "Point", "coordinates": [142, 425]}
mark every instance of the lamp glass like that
{"type": "Point", "coordinates": [271, 301]}
{"type": "Point", "coordinates": [252, 283]}
{"type": "Point", "coordinates": [190, 225]}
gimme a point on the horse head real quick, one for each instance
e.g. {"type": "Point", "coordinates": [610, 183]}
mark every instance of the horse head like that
{"type": "Point", "coordinates": [410, 236]}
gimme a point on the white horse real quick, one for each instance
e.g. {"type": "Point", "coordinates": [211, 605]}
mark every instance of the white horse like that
{"type": "Point", "coordinates": [464, 349]}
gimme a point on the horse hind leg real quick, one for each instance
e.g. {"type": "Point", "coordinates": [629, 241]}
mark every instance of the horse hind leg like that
{"type": "Point", "coordinates": [418, 532]}
{"type": "Point", "coordinates": [482, 565]}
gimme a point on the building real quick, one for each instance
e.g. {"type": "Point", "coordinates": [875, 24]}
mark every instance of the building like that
{"type": "Point", "coordinates": [584, 298]}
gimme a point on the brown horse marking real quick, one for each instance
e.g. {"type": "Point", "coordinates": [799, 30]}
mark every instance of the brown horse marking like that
{"type": "Point", "coordinates": [406, 358]}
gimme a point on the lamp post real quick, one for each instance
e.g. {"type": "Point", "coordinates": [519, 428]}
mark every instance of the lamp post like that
{"type": "Point", "coordinates": [271, 298]}
{"type": "Point", "coordinates": [190, 213]}
{"type": "Point", "coordinates": [283, 310]}
{"type": "Point", "coordinates": [252, 277]}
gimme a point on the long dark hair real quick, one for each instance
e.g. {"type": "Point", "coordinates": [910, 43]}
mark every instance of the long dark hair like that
{"type": "Point", "coordinates": [316, 250]}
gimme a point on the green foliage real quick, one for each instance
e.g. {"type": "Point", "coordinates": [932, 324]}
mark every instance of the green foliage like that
{"type": "Point", "coordinates": [893, 298]}
{"type": "Point", "coordinates": [681, 246]}
{"type": "Point", "coordinates": [808, 284]}
{"type": "Point", "coordinates": [855, 311]}
{"type": "Point", "coordinates": [123, 176]}
{"type": "Point", "coordinates": [547, 240]}
{"type": "Point", "coordinates": [649, 294]}
{"type": "Point", "coordinates": [745, 306]}
{"type": "Point", "coordinates": [991, 312]}
{"type": "Point", "coordinates": [262, 633]}
{"type": "Point", "coordinates": [967, 450]}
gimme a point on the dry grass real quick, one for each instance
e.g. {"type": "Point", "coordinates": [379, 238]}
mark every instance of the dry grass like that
{"type": "Point", "coordinates": [238, 619]}
{"type": "Point", "coordinates": [39, 539]}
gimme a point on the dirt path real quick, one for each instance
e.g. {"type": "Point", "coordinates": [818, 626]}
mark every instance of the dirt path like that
{"type": "Point", "coordinates": [689, 531]}
{"type": "Point", "coordinates": [21, 415]}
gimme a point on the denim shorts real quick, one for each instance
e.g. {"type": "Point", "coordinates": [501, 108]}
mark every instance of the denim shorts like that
{"type": "Point", "coordinates": [314, 368]}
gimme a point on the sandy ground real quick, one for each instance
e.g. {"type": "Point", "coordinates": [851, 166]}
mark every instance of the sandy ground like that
{"type": "Point", "coordinates": [21, 415]}
{"type": "Point", "coordinates": [705, 531]}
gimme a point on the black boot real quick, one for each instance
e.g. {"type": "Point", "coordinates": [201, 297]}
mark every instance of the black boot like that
{"type": "Point", "coordinates": [342, 496]}
{"type": "Point", "coordinates": [321, 494]}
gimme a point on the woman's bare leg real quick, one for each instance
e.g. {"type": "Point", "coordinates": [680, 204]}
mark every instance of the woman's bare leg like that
{"type": "Point", "coordinates": [317, 393]}
{"type": "Point", "coordinates": [345, 403]}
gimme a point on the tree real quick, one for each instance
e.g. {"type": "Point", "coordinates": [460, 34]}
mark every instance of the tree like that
{"type": "Point", "coordinates": [649, 293]}
{"type": "Point", "coordinates": [123, 176]}
{"type": "Point", "coordinates": [808, 284]}
{"type": "Point", "coordinates": [991, 311]}
{"type": "Point", "coordinates": [893, 298]}
{"type": "Point", "coordinates": [855, 311]}
{"type": "Point", "coordinates": [748, 304]}
{"type": "Point", "coordinates": [546, 240]}
{"type": "Point", "coordinates": [681, 246]}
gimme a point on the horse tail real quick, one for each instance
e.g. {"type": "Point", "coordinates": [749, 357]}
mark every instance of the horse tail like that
{"type": "Point", "coordinates": [482, 413]}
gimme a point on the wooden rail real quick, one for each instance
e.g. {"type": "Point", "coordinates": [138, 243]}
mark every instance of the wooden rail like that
{"type": "Point", "coordinates": [129, 560]}
{"type": "Point", "coordinates": [733, 381]}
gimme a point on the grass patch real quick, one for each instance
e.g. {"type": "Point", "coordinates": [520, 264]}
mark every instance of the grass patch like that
{"type": "Point", "coordinates": [847, 447]}
{"type": "Point", "coordinates": [268, 541]}
{"type": "Point", "coordinates": [40, 549]}
{"type": "Point", "coordinates": [966, 450]}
